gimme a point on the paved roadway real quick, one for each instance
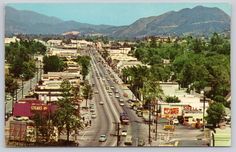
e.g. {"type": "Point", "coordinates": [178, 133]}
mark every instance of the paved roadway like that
{"type": "Point", "coordinates": [107, 115]}
{"type": "Point", "coordinates": [136, 128]}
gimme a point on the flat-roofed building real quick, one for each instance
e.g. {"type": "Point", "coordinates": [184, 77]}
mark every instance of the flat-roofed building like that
{"type": "Point", "coordinates": [13, 39]}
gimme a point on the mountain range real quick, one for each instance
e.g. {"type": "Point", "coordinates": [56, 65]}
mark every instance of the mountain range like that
{"type": "Point", "coordinates": [197, 21]}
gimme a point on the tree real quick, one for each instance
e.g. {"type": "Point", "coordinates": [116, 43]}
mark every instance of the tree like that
{"type": "Point", "coordinates": [137, 74]}
{"type": "Point", "coordinates": [172, 99]}
{"type": "Point", "coordinates": [216, 113]}
{"type": "Point", "coordinates": [84, 62]}
{"type": "Point", "coordinates": [151, 93]}
{"type": "Point", "coordinates": [153, 42]}
{"type": "Point", "coordinates": [53, 64]}
{"type": "Point", "coordinates": [87, 91]}
{"type": "Point", "coordinates": [11, 84]}
{"type": "Point", "coordinates": [66, 116]}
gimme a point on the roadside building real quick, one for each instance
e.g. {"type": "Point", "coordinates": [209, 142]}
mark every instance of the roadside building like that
{"type": "Point", "coordinates": [66, 53]}
{"type": "Point", "coordinates": [193, 118]}
{"type": "Point", "coordinates": [54, 42]}
{"type": "Point", "coordinates": [9, 40]}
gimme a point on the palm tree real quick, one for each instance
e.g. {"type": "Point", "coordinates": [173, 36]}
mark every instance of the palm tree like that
{"type": "Point", "coordinates": [87, 92]}
{"type": "Point", "coordinates": [151, 92]}
{"type": "Point", "coordinates": [66, 115]}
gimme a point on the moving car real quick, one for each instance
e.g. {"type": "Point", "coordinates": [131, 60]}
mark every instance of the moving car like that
{"type": "Point", "coordinates": [124, 133]}
{"type": "Point", "coordinates": [93, 115]}
{"type": "Point", "coordinates": [128, 140]}
{"type": "Point", "coordinates": [96, 92]}
{"type": "Point", "coordinates": [102, 138]}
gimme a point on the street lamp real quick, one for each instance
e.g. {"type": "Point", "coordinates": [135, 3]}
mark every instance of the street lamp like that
{"type": "Point", "coordinates": [204, 104]}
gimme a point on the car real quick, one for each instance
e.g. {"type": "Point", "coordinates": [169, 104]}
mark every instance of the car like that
{"type": "Point", "coordinates": [92, 110]}
{"type": "Point", "coordinates": [141, 142]}
{"type": "Point", "coordinates": [175, 121]}
{"type": "Point", "coordinates": [20, 118]}
{"type": "Point", "coordinates": [116, 91]}
{"type": "Point", "coordinates": [101, 102]}
{"type": "Point", "coordinates": [96, 92]}
{"type": "Point", "coordinates": [124, 133]}
{"type": "Point", "coordinates": [93, 115]}
{"type": "Point", "coordinates": [107, 87]}
{"type": "Point", "coordinates": [110, 94]}
{"type": "Point", "coordinates": [102, 138]}
{"type": "Point", "coordinates": [122, 104]}
{"type": "Point", "coordinates": [117, 96]}
{"type": "Point", "coordinates": [128, 140]}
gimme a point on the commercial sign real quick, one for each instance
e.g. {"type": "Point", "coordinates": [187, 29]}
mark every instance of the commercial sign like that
{"type": "Point", "coordinates": [39, 108]}
{"type": "Point", "coordinates": [173, 111]}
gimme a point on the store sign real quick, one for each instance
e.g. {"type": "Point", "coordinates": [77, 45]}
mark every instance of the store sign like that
{"type": "Point", "coordinates": [171, 110]}
{"type": "Point", "coordinates": [39, 107]}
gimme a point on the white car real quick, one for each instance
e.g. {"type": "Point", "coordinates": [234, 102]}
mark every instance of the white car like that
{"type": "Point", "coordinates": [102, 138]}
{"type": "Point", "coordinates": [124, 133]}
{"type": "Point", "coordinates": [21, 118]}
{"type": "Point", "coordinates": [93, 115]}
{"type": "Point", "coordinates": [122, 104]}
{"type": "Point", "coordinates": [175, 121]}
{"type": "Point", "coordinates": [101, 102]}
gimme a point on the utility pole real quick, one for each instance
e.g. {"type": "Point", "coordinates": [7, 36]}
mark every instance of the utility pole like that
{"type": "Point", "coordinates": [203, 112]}
{"type": "Point", "coordinates": [204, 106]}
{"type": "Point", "coordinates": [22, 85]}
{"type": "Point", "coordinates": [149, 124]}
{"type": "Point", "coordinates": [118, 134]}
{"type": "Point", "coordinates": [156, 119]}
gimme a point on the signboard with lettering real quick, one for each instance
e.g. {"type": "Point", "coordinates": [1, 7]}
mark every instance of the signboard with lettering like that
{"type": "Point", "coordinates": [172, 111]}
{"type": "Point", "coordinates": [39, 107]}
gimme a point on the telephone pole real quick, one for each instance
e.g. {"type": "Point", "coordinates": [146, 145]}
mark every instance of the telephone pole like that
{"type": "Point", "coordinates": [118, 134]}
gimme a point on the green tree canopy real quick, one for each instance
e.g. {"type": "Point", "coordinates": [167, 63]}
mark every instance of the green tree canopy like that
{"type": "Point", "coordinates": [53, 64]}
{"type": "Point", "coordinates": [84, 62]}
{"type": "Point", "coordinates": [216, 112]}
{"type": "Point", "coordinates": [66, 117]}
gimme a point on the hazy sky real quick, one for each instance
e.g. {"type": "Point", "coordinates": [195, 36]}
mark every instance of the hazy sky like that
{"type": "Point", "coordinates": [110, 13]}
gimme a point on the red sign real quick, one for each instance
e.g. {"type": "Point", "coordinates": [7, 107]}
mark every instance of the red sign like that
{"type": "Point", "coordinates": [171, 110]}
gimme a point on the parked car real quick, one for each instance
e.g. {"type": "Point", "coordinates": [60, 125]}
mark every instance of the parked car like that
{"type": "Point", "coordinates": [102, 138]}
{"type": "Point", "coordinates": [175, 121]}
{"type": "Point", "coordinates": [101, 102]}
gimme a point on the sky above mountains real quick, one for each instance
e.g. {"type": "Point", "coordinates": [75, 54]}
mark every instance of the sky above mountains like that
{"type": "Point", "coordinates": [110, 13]}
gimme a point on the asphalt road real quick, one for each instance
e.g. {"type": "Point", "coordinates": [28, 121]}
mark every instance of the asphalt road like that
{"type": "Point", "coordinates": [137, 128]}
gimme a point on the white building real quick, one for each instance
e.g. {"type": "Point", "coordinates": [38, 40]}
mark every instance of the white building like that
{"type": "Point", "coordinates": [9, 40]}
